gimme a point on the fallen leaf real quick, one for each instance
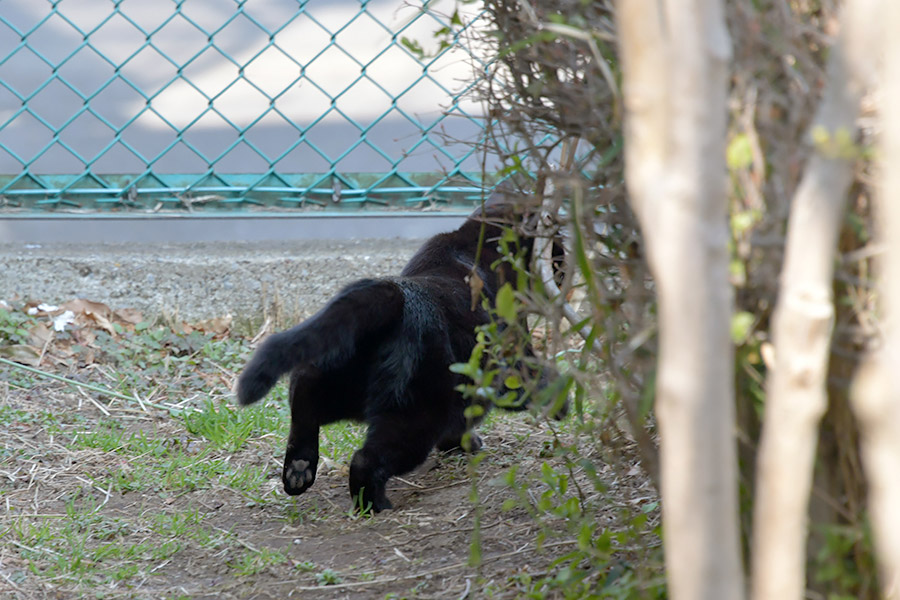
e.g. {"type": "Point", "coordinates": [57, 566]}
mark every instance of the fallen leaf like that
{"type": "Point", "coordinates": [97, 312]}
{"type": "Point", "coordinates": [128, 316]}
{"type": "Point", "coordinates": [217, 326]}
{"type": "Point", "coordinates": [80, 306]}
{"type": "Point", "coordinates": [39, 335]}
{"type": "Point", "coordinates": [22, 354]}
{"type": "Point", "coordinates": [83, 336]}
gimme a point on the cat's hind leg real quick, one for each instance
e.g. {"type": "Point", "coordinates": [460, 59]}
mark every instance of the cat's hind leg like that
{"type": "Point", "coordinates": [396, 443]}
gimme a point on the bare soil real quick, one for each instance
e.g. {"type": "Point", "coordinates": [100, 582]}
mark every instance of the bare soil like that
{"type": "Point", "coordinates": [418, 550]}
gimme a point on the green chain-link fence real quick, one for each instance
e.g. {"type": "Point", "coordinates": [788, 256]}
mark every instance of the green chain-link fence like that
{"type": "Point", "coordinates": [123, 105]}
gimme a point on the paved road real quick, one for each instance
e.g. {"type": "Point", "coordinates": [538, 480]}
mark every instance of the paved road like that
{"type": "Point", "coordinates": [158, 229]}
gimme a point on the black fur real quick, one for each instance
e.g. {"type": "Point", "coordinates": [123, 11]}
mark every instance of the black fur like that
{"type": "Point", "coordinates": [380, 352]}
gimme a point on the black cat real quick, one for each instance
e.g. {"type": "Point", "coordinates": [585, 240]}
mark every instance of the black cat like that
{"type": "Point", "coordinates": [379, 352]}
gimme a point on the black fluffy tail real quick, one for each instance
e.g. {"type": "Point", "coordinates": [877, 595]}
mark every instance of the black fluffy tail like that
{"type": "Point", "coordinates": [327, 339]}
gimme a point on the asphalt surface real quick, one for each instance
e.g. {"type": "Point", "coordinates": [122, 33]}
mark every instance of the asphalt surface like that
{"type": "Point", "coordinates": [164, 228]}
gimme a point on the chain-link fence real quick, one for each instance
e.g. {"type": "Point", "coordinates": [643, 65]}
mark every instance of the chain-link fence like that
{"type": "Point", "coordinates": [120, 105]}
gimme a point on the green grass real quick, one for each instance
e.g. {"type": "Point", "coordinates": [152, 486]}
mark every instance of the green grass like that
{"type": "Point", "coordinates": [339, 441]}
{"type": "Point", "coordinates": [328, 577]}
{"type": "Point", "coordinates": [187, 463]}
{"type": "Point", "coordinates": [85, 545]}
{"type": "Point", "coordinates": [229, 428]}
{"type": "Point", "coordinates": [88, 547]}
{"type": "Point", "coordinates": [256, 561]}
{"type": "Point", "coordinates": [165, 468]}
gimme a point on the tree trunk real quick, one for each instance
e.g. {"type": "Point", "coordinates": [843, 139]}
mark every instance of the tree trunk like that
{"type": "Point", "coordinates": [674, 57]}
{"type": "Point", "coordinates": [876, 397]}
{"type": "Point", "coordinates": [802, 324]}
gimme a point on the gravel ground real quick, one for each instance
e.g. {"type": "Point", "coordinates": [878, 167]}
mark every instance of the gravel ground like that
{"type": "Point", "coordinates": [198, 280]}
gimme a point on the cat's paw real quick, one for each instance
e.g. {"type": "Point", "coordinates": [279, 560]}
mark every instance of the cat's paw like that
{"type": "Point", "coordinates": [298, 475]}
{"type": "Point", "coordinates": [364, 502]}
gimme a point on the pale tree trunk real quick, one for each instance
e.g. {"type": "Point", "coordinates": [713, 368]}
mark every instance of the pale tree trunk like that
{"type": "Point", "coordinates": [876, 397]}
{"type": "Point", "coordinates": [803, 321]}
{"type": "Point", "coordinates": [674, 57]}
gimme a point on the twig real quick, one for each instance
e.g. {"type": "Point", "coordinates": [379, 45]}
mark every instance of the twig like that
{"type": "Point", "coordinates": [98, 488]}
{"type": "Point", "coordinates": [159, 566]}
{"type": "Point", "coordinates": [34, 550]}
{"type": "Point", "coordinates": [262, 331]}
{"type": "Point", "coordinates": [410, 483]}
{"type": "Point", "coordinates": [589, 37]}
{"type": "Point", "coordinates": [482, 528]}
{"type": "Point", "coordinates": [238, 540]}
{"type": "Point", "coordinates": [99, 406]}
{"type": "Point", "coordinates": [401, 555]}
{"type": "Point", "coordinates": [441, 487]}
{"type": "Point", "coordinates": [544, 263]}
{"type": "Point", "coordinates": [46, 345]}
{"type": "Point", "coordinates": [139, 401]}
{"type": "Point", "coordinates": [468, 589]}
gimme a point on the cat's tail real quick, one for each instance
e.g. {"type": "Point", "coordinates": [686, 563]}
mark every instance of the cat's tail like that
{"type": "Point", "coordinates": [327, 339]}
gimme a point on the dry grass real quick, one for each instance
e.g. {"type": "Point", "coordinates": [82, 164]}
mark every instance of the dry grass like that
{"type": "Point", "coordinates": [162, 489]}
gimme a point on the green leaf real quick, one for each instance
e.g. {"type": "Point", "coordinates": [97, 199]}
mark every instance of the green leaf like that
{"type": "Point", "coordinates": [507, 400]}
{"type": "Point", "coordinates": [510, 477]}
{"type": "Point", "coordinates": [648, 396]}
{"type": "Point", "coordinates": [475, 552]}
{"type": "Point", "coordinates": [512, 382]}
{"type": "Point", "coordinates": [473, 412]}
{"type": "Point", "coordinates": [461, 369]}
{"type": "Point", "coordinates": [604, 542]}
{"type": "Point", "coordinates": [739, 154]}
{"type": "Point", "coordinates": [743, 220]}
{"type": "Point", "coordinates": [741, 326]}
{"type": "Point", "coordinates": [506, 303]}
{"type": "Point", "coordinates": [413, 46]}
{"type": "Point", "coordinates": [737, 270]}
{"type": "Point", "coordinates": [584, 536]}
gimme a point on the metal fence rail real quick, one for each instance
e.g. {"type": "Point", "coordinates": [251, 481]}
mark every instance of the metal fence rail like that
{"type": "Point", "coordinates": [126, 105]}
